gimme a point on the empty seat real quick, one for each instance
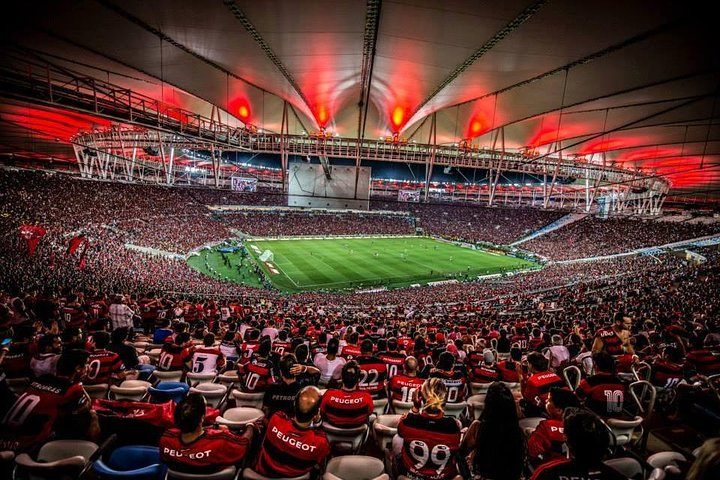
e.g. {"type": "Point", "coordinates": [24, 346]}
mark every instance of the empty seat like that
{"type": "Point", "coordinates": [134, 390]}
{"type": "Point", "coordinates": [479, 388]}
{"type": "Point", "coordinates": [57, 460]}
{"type": "Point", "coordinates": [228, 378]}
{"type": "Point", "coordinates": [379, 405]}
{"type": "Point", "coordinates": [239, 417]}
{"type": "Point", "coordinates": [18, 385]}
{"type": "Point", "coordinates": [227, 473]}
{"type": "Point", "coordinates": [250, 474]}
{"type": "Point", "coordinates": [97, 391]}
{"type": "Point", "coordinates": [622, 430]}
{"type": "Point", "coordinates": [384, 429]}
{"type": "Point", "coordinates": [355, 467]}
{"type": "Point", "coordinates": [401, 407]}
{"type": "Point", "coordinates": [194, 379]}
{"type": "Point", "coordinates": [476, 404]}
{"type": "Point", "coordinates": [253, 400]}
{"type": "Point", "coordinates": [350, 439]}
{"type": "Point", "coordinates": [455, 409]}
{"type": "Point", "coordinates": [168, 376]}
{"type": "Point", "coordinates": [214, 393]}
{"type": "Point", "coordinates": [627, 466]}
{"type": "Point", "coordinates": [164, 391]}
{"type": "Point", "coordinates": [136, 462]}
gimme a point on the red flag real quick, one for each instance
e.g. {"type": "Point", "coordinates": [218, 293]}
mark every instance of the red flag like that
{"type": "Point", "coordinates": [32, 235]}
{"type": "Point", "coordinates": [74, 244]}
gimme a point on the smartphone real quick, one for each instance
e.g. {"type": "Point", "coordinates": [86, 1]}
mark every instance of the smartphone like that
{"type": "Point", "coordinates": [6, 342]}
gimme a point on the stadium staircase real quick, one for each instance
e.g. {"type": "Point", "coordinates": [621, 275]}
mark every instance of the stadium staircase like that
{"type": "Point", "coordinates": [559, 223]}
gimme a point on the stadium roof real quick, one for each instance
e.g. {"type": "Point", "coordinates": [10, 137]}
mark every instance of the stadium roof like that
{"type": "Point", "coordinates": [637, 80]}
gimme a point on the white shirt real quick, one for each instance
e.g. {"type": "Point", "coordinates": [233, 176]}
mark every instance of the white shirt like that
{"type": "Point", "coordinates": [557, 355]}
{"type": "Point", "coordinates": [329, 369]}
{"type": "Point", "coordinates": [121, 316]}
{"type": "Point", "coordinates": [271, 332]}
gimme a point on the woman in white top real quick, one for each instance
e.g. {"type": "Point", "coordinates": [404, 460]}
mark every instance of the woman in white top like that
{"type": "Point", "coordinates": [329, 363]}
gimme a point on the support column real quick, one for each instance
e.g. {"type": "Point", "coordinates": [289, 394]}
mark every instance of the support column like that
{"type": "Point", "coordinates": [284, 129]}
{"type": "Point", "coordinates": [430, 161]}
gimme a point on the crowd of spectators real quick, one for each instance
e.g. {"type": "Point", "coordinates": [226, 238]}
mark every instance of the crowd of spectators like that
{"type": "Point", "coordinates": [592, 236]}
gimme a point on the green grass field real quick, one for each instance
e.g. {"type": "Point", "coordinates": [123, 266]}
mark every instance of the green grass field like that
{"type": "Point", "coordinates": [353, 263]}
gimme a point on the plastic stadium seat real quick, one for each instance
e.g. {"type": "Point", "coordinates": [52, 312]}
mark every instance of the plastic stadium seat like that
{"type": "Point", "coordinates": [228, 378]}
{"type": "Point", "coordinates": [355, 467]}
{"type": "Point", "coordinates": [479, 388]}
{"type": "Point", "coordinates": [134, 390]}
{"type": "Point", "coordinates": [239, 417]}
{"type": "Point", "coordinates": [529, 424]}
{"type": "Point", "coordinates": [384, 429]}
{"type": "Point", "coordinates": [97, 391]}
{"type": "Point", "coordinates": [132, 462]}
{"type": "Point", "coordinates": [622, 430]}
{"type": "Point", "coordinates": [380, 405]}
{"type": "Point", "coordinates": [455, 409]}
{"type": "Point", "coordinates": [572, 376]}
{"type": "Point", "coordinates": [242, 399]}
{"type": "Point", "coordinates": [214, 393]}
{"type": "Point", "coordinates": [227, 473]}
{"type": "Point", "coordinates": [401, 407]}
{"type": "Point", "coordinates": [164, 391]}
{"type": "Point", "coordinates": [250, 474]}
{"type": "Point", "coordinates": [476, 404]}
{"type": "Point", "coordinates": [627, 466]}
{"type": "Point", "coordinates": [153, 353]}
{"type": "Point", "coordinates": [351, 439]}
{"type": "Point", "coordinates": [666, 460]}
{"type": "Point", "coordinates": [18, 385]}
{"type": "Point", "coordinates": [194, 379]}
{"type": "Point", "coordinates": [168, 376]}
{"type": "Point", "coordinates": [57, 460]}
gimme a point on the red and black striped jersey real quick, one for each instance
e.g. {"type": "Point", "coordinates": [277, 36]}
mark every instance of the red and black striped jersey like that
{"type": "Point", "coordinates": [564, 469]}
{"type": "Point", "coordinates": [350, 351]}
{"type": "Point", "coordinates": [16, 363]}
{"type": "Point", "coordinates": [289, 450]}
{"type": "Point", "coordinates": [373, 375]}
{"type": "Point", "coordinates": [666, 374]}
{"type": "Point", "coordinates": [74, 316]}
{"type": "Point", "coordinates": [535, 344]}
{"type": "Point", "coordinates": [612, 343]}
{"type": "Point", "coordinates": [521, 340]}
{"type": "Point", "coordinates": [209, 453]}
{"type": "Point", "coordinates": [281, 348]}
{"type": "Point", "coordinates": [429, 445]}
{"type": "Point", "coordinates": [247, 349]}
{"type": "Point", "coordinates": [393, 362]}
{"type": "Point", "coordinates": [346, 409]}
{"type": "Point", "coordinates": [424, 358]}
{"type": "Point", "coordinates": [173, 357]}
{"type": "Point", "coordinates": [403, 387]}
{"type": "Point", "coordinates": [406, 344]}
{"type": "Point", "coordinates": [705, 362]}
{"type": "Point", "coordinates": [547, 442]}
{"type": "Point", "coordinates": [455, 382]}
{"type": "Point", "coordinates": [484, 373]}
{"type": "Point", "coordinates": [537, 387]}
{"type": "Point", "coordinates": [603, 393]}
{"type": "Point", "coordinates": [102, 364]}
{"type": "Point", "coordinates": [258, 374]}
{"type": "Point", "coordinates": [31, 418]}
{"type": "Point", "coordinates": [508, 371]}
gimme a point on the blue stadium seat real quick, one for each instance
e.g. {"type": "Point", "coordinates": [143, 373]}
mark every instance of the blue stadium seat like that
{"type": "Point", "coordinates": [164, 391]}
{"type": "Point", "coordinates": [136, 462]}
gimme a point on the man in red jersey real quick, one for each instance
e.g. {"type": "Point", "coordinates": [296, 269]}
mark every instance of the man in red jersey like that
{"type": "Point", "coordinates": [392, 359]}
{"type": "Point", "coordinates": [347, 407]}
{"type": "Point", "coordinates": [403, 385]}
{"type": "Point", "coordinates": [351, 350]}
{"type": "Point", "coordinates": [258, 374]}
{"type": "Point", "coordinates": [207, 358]}
{"type": "Point", "coordinates": [50, 403]}
{"type": "Point", "coordinates": [604, 392]}
{"type": "Point", "coordinates": [373, 372]}
{"type": "Point", "coordinates": [190, 448]}
{"type": "Point", "coordinates": [486, 371]}
{"type": "Point", "coordinates": [281, 345]}
{"type": "Point", "coordinates": [704, 357]}
{"type": "Point", "coordinates": [587, 441]}
{"type": "Point", "coordinates": [668, 371]}
{"type": "Point", "coordinates": [455, 381]}
{"type": "Point", "coordinates": [536, 384]}
{"type": "Point", "coordinates": [615, 339]}
{"type": "Point", "coordinates": [508, 367]}
{"type": "Point", "coordinates": [292, 447]}
{"type": "Point", "coordinates": [175, 355]}
{"type": "Point", "coordinates": [72, 312]}
{"type": "Point", "coordinates": [104, 365]}
{"type": "Point", "coordinates": [547, 441]}
{"type": "Point", "coordinates": [250, 345]}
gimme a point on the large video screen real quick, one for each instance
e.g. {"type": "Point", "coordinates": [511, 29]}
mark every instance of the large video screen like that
{"type": "Point", "coordinates": [409, 196]}
{"type": "Point", "coordinates": [243, 184]}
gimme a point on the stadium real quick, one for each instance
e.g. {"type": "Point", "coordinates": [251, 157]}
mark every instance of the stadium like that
{"type": "Point", "coordinates": [359, 240]}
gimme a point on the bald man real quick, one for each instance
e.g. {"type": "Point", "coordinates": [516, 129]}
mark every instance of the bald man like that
{"type": "Point", "coordinates": [403, 385]}
{"type": "Point", "coordinates": [292, 446]}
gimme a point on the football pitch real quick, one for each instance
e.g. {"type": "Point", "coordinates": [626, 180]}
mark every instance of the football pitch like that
{"type": "Point", "coordinates": [355, 263]}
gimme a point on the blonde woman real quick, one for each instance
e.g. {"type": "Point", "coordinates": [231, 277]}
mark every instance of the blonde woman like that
{"type": "Point", "coordinates": [430, 440]}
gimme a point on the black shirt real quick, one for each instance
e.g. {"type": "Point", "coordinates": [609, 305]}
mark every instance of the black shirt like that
{"type": "Point", "coordinates": [280, 397]}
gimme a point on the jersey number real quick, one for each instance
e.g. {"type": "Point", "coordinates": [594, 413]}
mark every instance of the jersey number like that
{"type": "Point", "coordinates": [438, 456]}
{"type": "Point", "coordinates": [21, 410]}
{"type": "Point", "coordinates": [614, 399]}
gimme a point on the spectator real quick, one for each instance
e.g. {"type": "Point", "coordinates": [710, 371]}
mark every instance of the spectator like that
{"type": "Point", "coordinates": [330, 364]}
{"type": "Point", "coordinates": [455, 381]}
{"type": "Point", "coordinates": [707, 463]}
{"type": "Point", "coordinates": [120, 314]}
{"type": "Point", "coordinates": [48, 354]}
{"type": "Point", "coordinates": [604, 392]}
{"type": "Point", "coordinates": [536, 384]}
{"type": "Point", "coordinates": [587, 442]}
{"type": "Point", "coordinates": [104, 366]}
{"type": "Point", "coordinates": [191, 448]}
{"type": "Point", "coordinates": [404, 385]}
{"type": "Point", "coordinates": [292, 446]}
{"type": "Point", "coordinates": [547, 441]}
{"type": "Point", "coordinates": [347, 407]}
{"type": "Point", "coordinates": [207, 358]}
{"type": "Point", "coordinates": [495, 441]}
{"type": "Point", "coordinates": [373, 371]}
{"type": "Point", "coordinates": [280, 396]}
{"type": "Point", "coordinates": [557, 354]}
